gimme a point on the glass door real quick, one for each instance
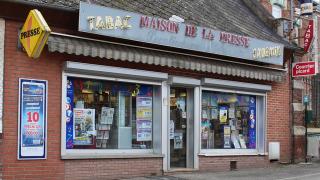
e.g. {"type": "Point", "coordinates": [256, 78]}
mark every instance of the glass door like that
{"type": "Point", "coordinates": [178, 128]}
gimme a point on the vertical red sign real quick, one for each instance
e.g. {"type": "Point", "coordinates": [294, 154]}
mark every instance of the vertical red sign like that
{"type": "Point", "coordinates": [308, 36]}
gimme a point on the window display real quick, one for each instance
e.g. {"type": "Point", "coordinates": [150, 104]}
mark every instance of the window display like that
{"type": "Point", "coordinates": [108, 115]}
{"type": "Point", "coordinates": [228, 121]}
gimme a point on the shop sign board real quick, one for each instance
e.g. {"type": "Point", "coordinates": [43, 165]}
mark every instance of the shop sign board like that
{"type": "Point", "coordinates": [301, 69]}
{"type": "Point", "coordinates": [34, 34]}
{"type": "Point", "coordinates": [308, 36]}
{"type": "Point", "coordinates": [32, 119]}
{"type": "Point", "coordinates": [133, 26]}
{"type": "Point", "coordinates": [306, 7]}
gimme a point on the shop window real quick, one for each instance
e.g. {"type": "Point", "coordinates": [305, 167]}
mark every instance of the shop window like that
{"type": "Point", "coordinates": [104, 114]}
{"type": "Point", "coordinates": [228, 121]}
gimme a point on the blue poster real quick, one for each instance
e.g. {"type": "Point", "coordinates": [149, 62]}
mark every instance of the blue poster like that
{"type": "Point", "coordinates": [69, 114]}
{"type": "Point", "coordinates": [32, 120]}
{"type": "Point", "coordinates": [252, 123]}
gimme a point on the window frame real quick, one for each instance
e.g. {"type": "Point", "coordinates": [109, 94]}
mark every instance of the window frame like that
{"type": "Point", "coordinates": [101, 153]}
{"type": "Point", "coordinates": [262, 96]}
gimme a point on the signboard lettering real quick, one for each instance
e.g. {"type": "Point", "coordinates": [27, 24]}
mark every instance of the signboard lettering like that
{"type": "Point", "coordinates": [266, 52]}
{"type": "Point", "coordinates": [34, 34]}
{"type": "Point", "coordinates": [108, 22]}
{"type": "Point", "coordinates": [308, 36]}
{"type": "Point", "coordinates": [234, 39]}
{"type": "Point", "coordinates": [304, 69]}
{"type": "Point", "coordinates": [97, 19]}
{"type": "Point", "coordinates": [306, 7]}
{"type": "Point", "coordinates": [159, 24]}
{"type": "Point", "coordinates": [207, 34]}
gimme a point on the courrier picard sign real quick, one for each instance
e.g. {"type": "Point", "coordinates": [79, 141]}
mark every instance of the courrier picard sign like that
{"type": "Point", "coordinates": [304, 69]}
{"type": "Point", "coordinates": [128, 25]}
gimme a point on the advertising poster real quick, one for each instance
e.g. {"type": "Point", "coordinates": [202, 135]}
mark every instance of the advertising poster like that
{"type": "Point", "coordinates": [69, 114]}
{"type": "Point", "coordinates": [223, 114]}
{"type": "Point", "coordinates": [144, 118]}
{"type": "Point", "coordinates": [144, 134]}
{"type": "Point", "coordinates": [171, 129]}
{"type": "Point", "coordinates": [226, 136]}
{"type": "Point", "coordinates": [32, 121]}
{"type": "Point", "coordinates": [84, 126]}
{"type": "Point", "coordinates": [178, 140]}
{"type": "Point", "coordinates": [205, 128]}
{"type": "Point", "coordinates": [252, 123]}
{"type": "Point", "coordinates": [214, 113]}
{"type": "Point", "coordinates": [144, 124]}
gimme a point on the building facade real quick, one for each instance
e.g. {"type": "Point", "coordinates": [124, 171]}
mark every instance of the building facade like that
{"type": "Point", "coordinates": [128, 92]}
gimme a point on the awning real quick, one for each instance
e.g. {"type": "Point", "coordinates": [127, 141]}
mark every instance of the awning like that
{"type": "Point", "coordinates": [96, 48]}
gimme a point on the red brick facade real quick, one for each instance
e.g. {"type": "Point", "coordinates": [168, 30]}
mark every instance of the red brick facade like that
{"type": "Point", "coordinates": [217, 164]}
{"type": "Point", "coordinates": [49, 67]}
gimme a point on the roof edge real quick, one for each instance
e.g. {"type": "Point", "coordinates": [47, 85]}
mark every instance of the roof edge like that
{"type": "Point", "coordinates": [44, 5]}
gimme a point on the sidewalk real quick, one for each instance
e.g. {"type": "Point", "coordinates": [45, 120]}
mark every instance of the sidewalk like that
{"type": "Point", "coordinates": [281, 172]}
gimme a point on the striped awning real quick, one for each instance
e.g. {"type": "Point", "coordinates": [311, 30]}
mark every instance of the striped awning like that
{"type": "Point", "coordinates": [96, 48]}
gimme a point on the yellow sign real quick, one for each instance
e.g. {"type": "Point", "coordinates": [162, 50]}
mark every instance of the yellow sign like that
{"type": "Point", "coordinates": [34, 34]}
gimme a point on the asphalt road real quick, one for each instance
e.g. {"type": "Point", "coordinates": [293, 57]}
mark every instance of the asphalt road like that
{"type": "Point", "coordinates": [280, 172]}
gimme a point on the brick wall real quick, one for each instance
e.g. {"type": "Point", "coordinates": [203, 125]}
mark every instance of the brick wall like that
{"type": "Point", "coordinates": [49, 67]}
{"type": "Point", "coordinates": [18, 65]}
{"type": "Point", "coordinates": [112, 168]}
{"type": "Point", "coordinates": [278, 119]}
{"type": "Point", "coordinates": [216, 164]}
{"type": "Point", "coordinates": [267, 5]}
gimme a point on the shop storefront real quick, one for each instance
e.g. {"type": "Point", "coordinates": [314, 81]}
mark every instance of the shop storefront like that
{"type": "Point", "coordinates": [120, 109]}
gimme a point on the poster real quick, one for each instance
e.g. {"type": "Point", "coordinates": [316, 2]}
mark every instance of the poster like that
{"type": "Point", "coordinates": [226, 139]}
{"type": "Point", "coordinates": [144, 134]}
{"type": "Point", "coordinates": [205, 128]}
{"type": "Point", "coordinates": [144, 124]}
{"type": "Point", "coordinates": [144, 113]}
{"type": "Point", "coordinates": [226, 136]}
{"type": "Point", "coordinates": [171, 129]}
{"type": "Point", "coordinates": [32, 119]}
{"type": "Point", "coordinates": [144, 118]}
{"type": "Point", "coordinates": [69, 113]}
{"type": "Point", "coordinates": [84, 126]}
{"type": "Point", "coordinates": [178, 140]}
{"type": "Point", "coordinates": [204, 114]}
{"type": "Point", "coordinates": [252, 123]}
{"type": "Point", "coordinates": [226, 130]}
{"type": "Point", "coordinates": [214, 113]}
{"type": "Point", "coordinates": [223, 114]}
{"type": "Point", "coordinates": [231, 113]}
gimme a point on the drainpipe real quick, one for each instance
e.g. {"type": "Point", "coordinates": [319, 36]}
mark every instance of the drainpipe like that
{"type": "Point", "coordinates": [291, 85]}
{"type": "Point", "coordinates": [291, 110]}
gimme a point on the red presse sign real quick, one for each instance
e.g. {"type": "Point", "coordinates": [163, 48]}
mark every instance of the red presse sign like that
{"type": "Point", "coordinates": [304, 69]}
{"type": "Point", "coordinates": [308, 36]}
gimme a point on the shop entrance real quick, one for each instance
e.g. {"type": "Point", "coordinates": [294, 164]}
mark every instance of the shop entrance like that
{"type": "Point", "coordinates": [181, 128]}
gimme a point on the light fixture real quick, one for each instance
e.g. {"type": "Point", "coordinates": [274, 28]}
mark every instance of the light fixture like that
{"type": "Point", "coordinates": [177, 19]}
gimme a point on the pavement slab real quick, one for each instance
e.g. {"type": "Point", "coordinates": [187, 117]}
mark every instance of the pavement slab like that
{"type": "Point", "coordinates": [278, 172]}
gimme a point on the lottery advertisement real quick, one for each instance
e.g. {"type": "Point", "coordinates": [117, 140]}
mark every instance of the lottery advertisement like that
{"type": "Point", "coordinates": [32, 121]}
{"type": "Point", "coordinates": [144, 114]}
